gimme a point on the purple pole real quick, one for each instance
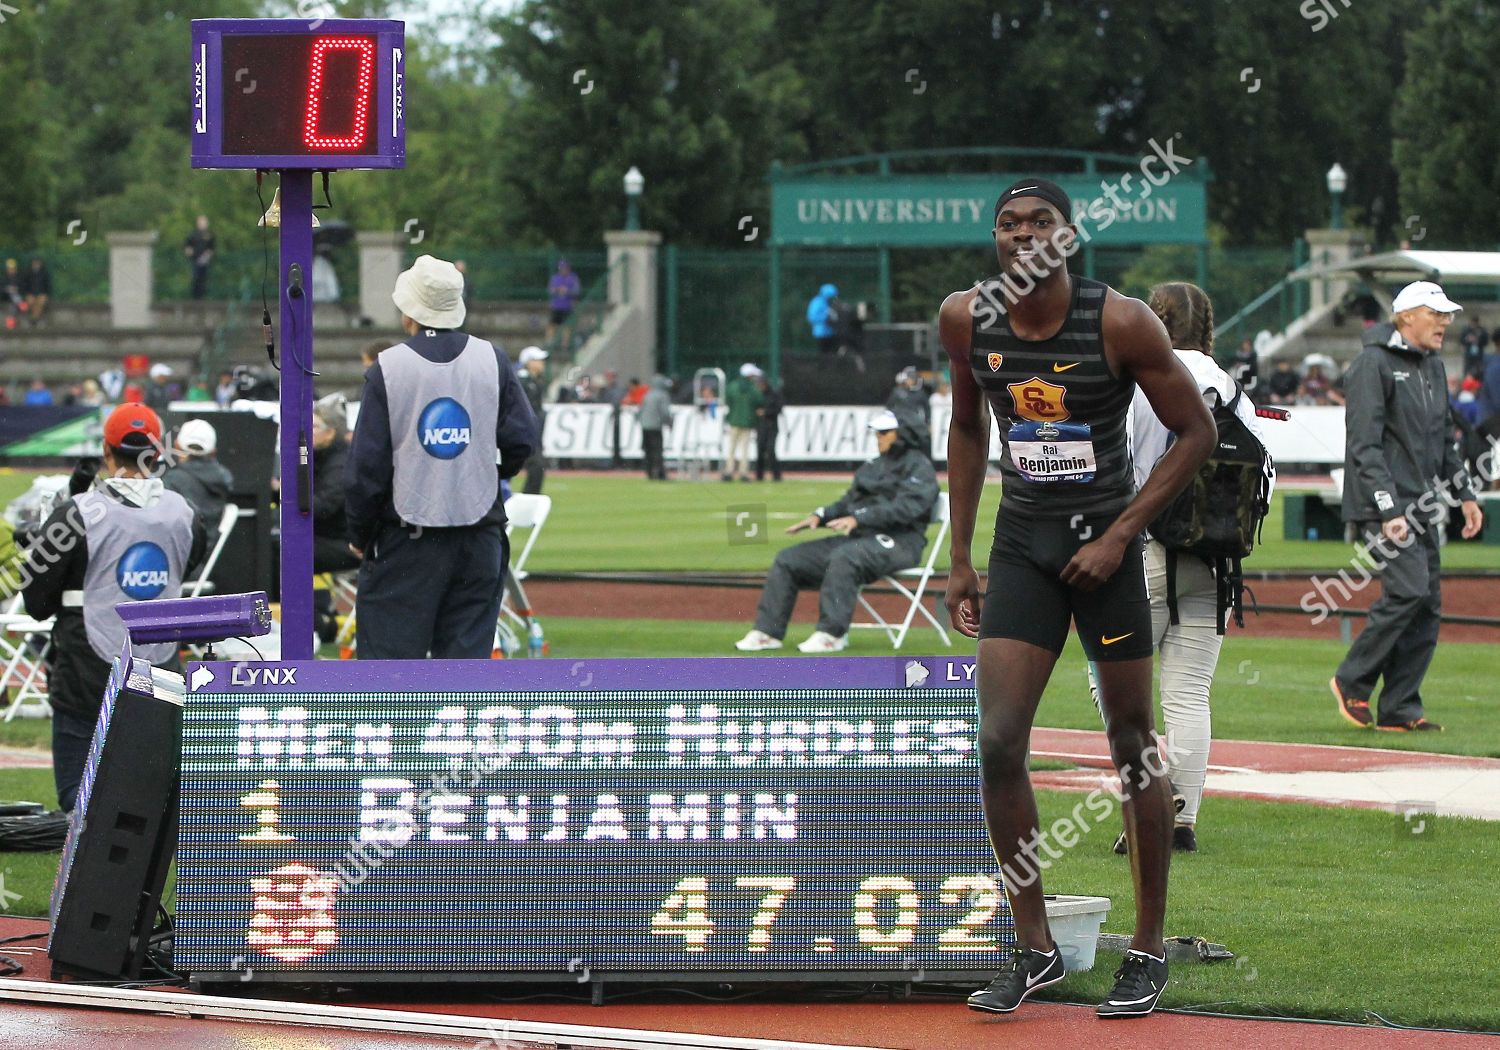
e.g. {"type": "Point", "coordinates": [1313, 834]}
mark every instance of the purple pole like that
{"type": "Point", "coordinates": [296, 416]}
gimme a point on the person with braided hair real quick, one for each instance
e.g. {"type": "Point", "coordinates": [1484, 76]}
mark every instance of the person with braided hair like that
{"type": "Point", "coordinates": [1187, 651]}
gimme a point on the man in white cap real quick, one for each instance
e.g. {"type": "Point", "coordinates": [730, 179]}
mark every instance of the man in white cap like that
{"type": "Point", "coordinates": [742, 400]}
{"type": "Point", "coordinates": [533, 362]}
{"type": "Point", "coordinates": [880, 527]}
{"type": "Point", "coordinates": [198, 477]}
{"type": "Point", "coordinates": [1401, 466]}
{"type": "Point", "coordinates": [423, 499]}
{"type": "Point", "coordinates": [160, 391]}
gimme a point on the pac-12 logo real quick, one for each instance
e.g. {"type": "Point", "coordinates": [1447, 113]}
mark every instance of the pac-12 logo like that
{"type": "Point", "coordinates": [143, 571]}
{"type": "Point", "coordinates": [443, 428]}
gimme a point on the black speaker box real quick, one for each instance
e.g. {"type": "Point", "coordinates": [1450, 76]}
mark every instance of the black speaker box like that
{"type": "Point", "coordinates": [114, 864]}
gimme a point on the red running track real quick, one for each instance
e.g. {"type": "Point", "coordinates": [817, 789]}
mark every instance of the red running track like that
{"type": "Point", "coordinates": [906, 1025]}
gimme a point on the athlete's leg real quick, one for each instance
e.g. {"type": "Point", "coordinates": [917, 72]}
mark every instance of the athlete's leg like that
{"type": "Point", "coordinates": [1011, 676]}
{"type": "Point", "coordinates": [1125, 696]}
{"type": "Point", "coordinates": [1115, 627]}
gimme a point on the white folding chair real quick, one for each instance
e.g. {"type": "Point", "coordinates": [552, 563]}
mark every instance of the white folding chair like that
{"type": "Point", "coordinates": [226, 526]}
{"type": "Point", "coordinates": [25, 669]}
{"type": "Point", "coordinates": [522, 511]}
{"type": "Point", "coordinates": [913, 594]}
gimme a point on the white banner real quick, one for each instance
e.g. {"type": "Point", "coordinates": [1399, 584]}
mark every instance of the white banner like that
{"type": "Point", "coordinates": [840, 433]}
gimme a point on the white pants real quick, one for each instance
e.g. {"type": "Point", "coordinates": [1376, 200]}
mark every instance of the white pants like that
{"type": "Point", "coordinates": [1188, 653]}
{"type": "Point", "coordinates": [737, 463]}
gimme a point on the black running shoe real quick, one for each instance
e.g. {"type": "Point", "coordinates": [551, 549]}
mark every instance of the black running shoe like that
{"type": "Point", "coordinates": [1138, 984]}
{"type": "Point", "coordinates": [1122, 847]}
{"type": "Point", "coordinates": [1029, 971]}
{"type": "Point", "coordinates": [1184, 839]}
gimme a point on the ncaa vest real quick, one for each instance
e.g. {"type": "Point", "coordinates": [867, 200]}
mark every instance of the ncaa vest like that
{"type": "Point", "coordinates": [1060, 410]}
{"type": "Point", "coordinates": [135, 553]}
{"type": "Point", "coordinates": [443, 421]}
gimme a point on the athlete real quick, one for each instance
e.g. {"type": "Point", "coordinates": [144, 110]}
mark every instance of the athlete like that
{"type": "Point", "coordinates": [1057, 358]}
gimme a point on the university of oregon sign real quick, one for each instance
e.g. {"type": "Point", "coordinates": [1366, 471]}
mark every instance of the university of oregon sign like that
{"type": "Point", "coordinates": [917, 211]}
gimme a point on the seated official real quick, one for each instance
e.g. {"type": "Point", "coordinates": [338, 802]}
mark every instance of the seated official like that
{"type": "Point", "coordinates": [121, 537]}
{"type": "Point", "coordinates": [198, 476]}
{"type": "Point", "coordinates": [330, 452]}
{"type": "Point", "coordinates": [882, 528]}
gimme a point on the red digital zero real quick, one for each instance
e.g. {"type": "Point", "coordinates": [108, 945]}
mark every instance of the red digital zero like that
{"type": "Point", "coordinates": [314, 136]}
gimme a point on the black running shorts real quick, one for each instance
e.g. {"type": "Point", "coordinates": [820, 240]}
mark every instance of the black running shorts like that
{"type": "Point", "coordinates": [1025, 598]}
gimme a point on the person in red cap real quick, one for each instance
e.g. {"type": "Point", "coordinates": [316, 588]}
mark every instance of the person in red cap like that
{"type": "Point", "coordinates": [120, 537]}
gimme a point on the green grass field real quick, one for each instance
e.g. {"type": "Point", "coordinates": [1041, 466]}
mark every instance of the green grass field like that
{"type": "Point", "coordinates": [623, 523]}
{"type": "Point", "coordinates": [1333, 911]}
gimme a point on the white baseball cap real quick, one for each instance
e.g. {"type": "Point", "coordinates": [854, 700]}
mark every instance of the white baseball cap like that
{"type": "Point", "coordinates": [159, 370]}
{"type": "Point", "coordinates": [750, 371]}
{"type": "Point", "coordinates": [431, 293]}
{"type": "Point", "coordinates": [884, 420]}
{"type": "Point", "coordinates": [533, 353]}
{"type": "Point", "coordinates": [198, 437]}
{"type": "Point", "coordinates": [1423, 293]}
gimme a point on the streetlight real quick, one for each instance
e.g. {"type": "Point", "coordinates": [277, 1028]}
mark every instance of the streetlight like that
{"type": "Point", "coordinates": [1338, 181]}
{"type": "Point", "coordinates": [635, 182]}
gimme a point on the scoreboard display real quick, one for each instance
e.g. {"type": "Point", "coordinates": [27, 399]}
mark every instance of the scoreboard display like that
{"type": "Point", "coordinates": [277, 93]}
{"type": "Point", "coordinates": [770, 817]}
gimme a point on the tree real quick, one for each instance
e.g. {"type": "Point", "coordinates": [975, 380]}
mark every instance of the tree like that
{"type": "Point", "coordinates": [694, 95]}
{"type": "Point", "coordinates": [1447, 145]}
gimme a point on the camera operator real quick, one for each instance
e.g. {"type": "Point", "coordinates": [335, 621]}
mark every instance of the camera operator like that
{"type": "Point", "coordinates": [121, 537]}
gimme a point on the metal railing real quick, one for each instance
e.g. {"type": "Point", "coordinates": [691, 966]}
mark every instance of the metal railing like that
{"type": "Point", "coordinates": [1280, 292]}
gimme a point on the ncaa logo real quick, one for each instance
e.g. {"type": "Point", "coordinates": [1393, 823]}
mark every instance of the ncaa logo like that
{"type": "Point", "coordinates": [443, 429]}
{"type": "Point", "coordinates": [142, 572]}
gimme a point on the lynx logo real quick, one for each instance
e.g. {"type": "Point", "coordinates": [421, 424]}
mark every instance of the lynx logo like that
{"type": "Point", "coordinates": [143, 571]}
{"type": "Point", "coordinates": [443, 428]}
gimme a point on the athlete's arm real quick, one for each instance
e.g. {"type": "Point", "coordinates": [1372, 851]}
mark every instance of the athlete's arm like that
{"type": "Point", "coordinates": [968, 456]}
{"type": "Point", "coordinates": [1136, 344]}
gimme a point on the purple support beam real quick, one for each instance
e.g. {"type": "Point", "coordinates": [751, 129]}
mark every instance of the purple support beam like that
{"type": "Point", "coordinates": [296, 339]}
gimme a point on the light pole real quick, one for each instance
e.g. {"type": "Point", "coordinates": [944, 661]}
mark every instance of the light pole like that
{"type": "Point", "coordinates": [635, 182]}
{"type": "Point", "coordinates": [1338, 181]}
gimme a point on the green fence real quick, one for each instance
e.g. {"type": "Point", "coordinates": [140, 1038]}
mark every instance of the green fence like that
{"type": "Point", "coordinates": [715, 306]}
{"type": "Point", "coordinates": [80, 274]}
{"type": "Point", "coordinates": [520, 274]}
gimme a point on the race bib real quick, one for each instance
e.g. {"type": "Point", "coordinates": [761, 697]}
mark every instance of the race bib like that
{"type": "Point", "coordinates": [1046, 453]}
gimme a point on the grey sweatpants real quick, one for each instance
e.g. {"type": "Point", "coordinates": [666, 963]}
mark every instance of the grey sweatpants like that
{"type": "Point", "coordinates": [838, 567]}
{"type": "Point", "coordinates": [1401, 634]}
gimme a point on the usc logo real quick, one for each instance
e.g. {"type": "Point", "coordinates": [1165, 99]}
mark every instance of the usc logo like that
{"type": "Point", "coordinates": [1039, 401]}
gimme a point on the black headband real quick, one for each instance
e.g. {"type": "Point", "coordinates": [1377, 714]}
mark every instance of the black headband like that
{"type": "Point", "coordinates": [1050, 192]}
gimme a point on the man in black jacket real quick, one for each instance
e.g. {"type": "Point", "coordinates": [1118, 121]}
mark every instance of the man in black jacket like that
{"type": "Point", "coordinates": [198, 477]}
{"type": "Point", "coordinates": [533, 362]}
{"type": "Point", "coordinates": [1400, 466]}
{"type": "Point", "coordinates": [121, 537]}
{"type": "Point", "coordinates": [881, 525]}
{"type": "Point", "coordinates": [426, 512]}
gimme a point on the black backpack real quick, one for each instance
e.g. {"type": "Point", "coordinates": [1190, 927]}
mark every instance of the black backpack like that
{"type": "Point", "coordinates": [1219, 516]}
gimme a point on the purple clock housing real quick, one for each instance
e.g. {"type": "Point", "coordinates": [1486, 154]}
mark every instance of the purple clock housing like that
{"type": "Point", "coordinates": [289, 93]}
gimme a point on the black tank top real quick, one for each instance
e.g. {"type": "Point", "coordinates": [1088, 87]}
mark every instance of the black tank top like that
{"type": "Point", "coordinates": [1060, 410]}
